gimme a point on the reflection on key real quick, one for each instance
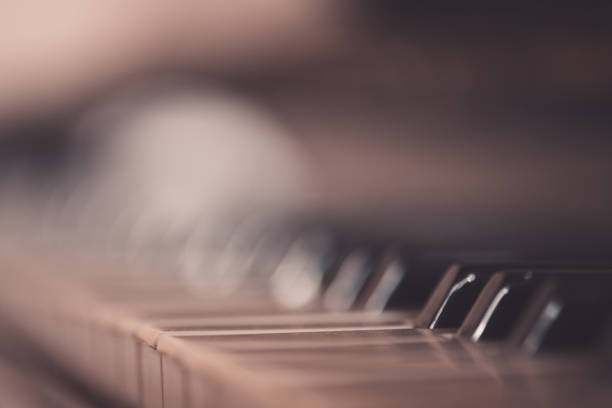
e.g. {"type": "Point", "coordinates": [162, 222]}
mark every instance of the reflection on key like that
{"type": "Point", "coordinates": [297, 280]}
{"type": "Point", "coordinates": [569, 312]}
{"type": "Point", "coordinates": [390, 277]}
{"type": "Point", "coordinates": [349, 281]}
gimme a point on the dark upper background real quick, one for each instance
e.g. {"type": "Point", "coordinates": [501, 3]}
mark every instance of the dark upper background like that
{"type": "Point", "coordinates": [447, 125]}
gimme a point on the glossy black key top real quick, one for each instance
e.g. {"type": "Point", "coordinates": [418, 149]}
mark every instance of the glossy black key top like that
{"type": "Point", "coordinates": [499, 305]}
{"type": "Point", "coordinates": [383, 283]}
{"type": "Point", "coordinates": [509, 296]}
{"type": "Point", "coordinates": [570, 311]}
{"type": "Point", "coordinates": [454, 296]}
{"type": "Point", "coordinates": [350, 280]}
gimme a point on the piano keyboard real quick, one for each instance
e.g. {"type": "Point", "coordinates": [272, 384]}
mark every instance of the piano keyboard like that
{"type": "Point", "coordinates": [335, 204]}
{"type": "Point", "coordinates": [519, 333]}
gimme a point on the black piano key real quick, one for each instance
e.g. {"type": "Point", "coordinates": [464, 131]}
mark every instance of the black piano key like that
{"type": "Point", "coordinates": [454, 296]}
{"type": "Point", "coordinates": [510, 297]}
{"type": "Point", "coordinates": [398, 282]}
{"type": "Point", "coordinates": [571, 311]}
{"type": "Point", "coordinates": [300, 276]}
{"type": "Point", "coordinates": [414, 289]}
{"type": "Point", "coordinates": [351, 280]}
{"type": "Point", "coordinates": [457, 291]}
{"type": "Point", "coordinates": [383, 283]}
{"type": "Point", "coordinates": [499, 305]}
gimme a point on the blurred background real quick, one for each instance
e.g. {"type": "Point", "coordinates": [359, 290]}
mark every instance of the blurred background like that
{"type": "Point", "coordinates": [438, 122]}
{"type": "Point", "coordinates": [132, 129]}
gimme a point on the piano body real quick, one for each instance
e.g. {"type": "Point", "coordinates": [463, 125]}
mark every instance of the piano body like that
{"type": "Point", "coordinates": [390, 205]}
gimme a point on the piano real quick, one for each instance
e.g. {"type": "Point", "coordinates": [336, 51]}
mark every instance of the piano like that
{"type": "Point", "coordinates": [411, 211]}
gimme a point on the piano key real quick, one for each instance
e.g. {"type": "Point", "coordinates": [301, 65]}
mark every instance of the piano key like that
{"type": "Point", "coordinates": [498, 306]}
{"type": "Point", "coordinates": [194, 321]}
{"type": "Point", "coordinates": [151, 378]}
{"type": "Point", "coordinates": [215, 379]}
{"type": "Point", "coordinates": [350, 280]}
{"type": "Point", "coordinates": [459, 288]}
{"type": "Point", "coordinates": [506, 297]}
{"type": "Point", "coordinates": [281, 319]}
{"type": "Point", "coordinates": [259, 322]}
{"type": "Point", "coordinates": [417, 283]}
{"type": "Point", "coordinates": [168, 347]}
{"type": "Point", "coordinates": [453, 297]}
{"type": "Point", "coordinates": [174, 384]}
{"type": "Point", "coordinates": [315, 367]}
{"type": "Point", "coordinates": [298, 279]}
{"type": "Point", "coordinates": [308, 349]}
{"type": "Point", "coordinates": [386, 279]}
{"type": "Point", "coordinates": [570, 311]}
{"type": "Point", "coordinates": [149, 333]}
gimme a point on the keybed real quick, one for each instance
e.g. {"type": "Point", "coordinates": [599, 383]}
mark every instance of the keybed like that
{"type": "Point", "coordinates": [488, 332]}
